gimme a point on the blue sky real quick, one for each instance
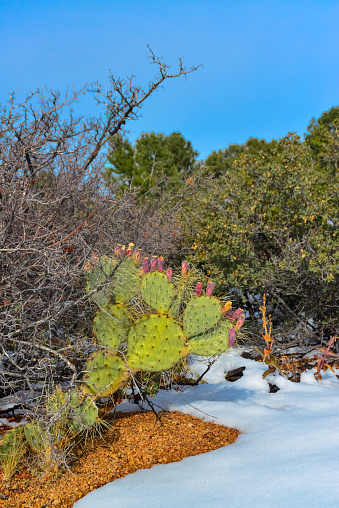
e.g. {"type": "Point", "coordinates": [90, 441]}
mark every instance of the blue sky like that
{"type": "Point", "coordinates": [268, 66]}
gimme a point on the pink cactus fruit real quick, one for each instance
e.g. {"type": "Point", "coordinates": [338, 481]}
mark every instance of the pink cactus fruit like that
{"type": "Point", "coordinates": [169, 273]}
{"type": "Point", "coordinates": [184, 267]}
{"type": "Point", "coordinates": [240, 322]}
{"type": "Point", "coordinates": [154, 264]}
{"type": "Point", "coordinates": [161, 264]}
{"type": "Point", "coordinates": [130, 249]}
{"type": "Point", "coordinates": [231, 337]}
{"type": "Point", "coordinates": [228, 314]}
{"type": "Point", "coordinates": [145, 265]}
{"type": "Point", "coordinates": [198, 288]}
{"type": "Point", "coordinates": [236, 314]}
{"type": "Point", "coordinates": [209, 288]}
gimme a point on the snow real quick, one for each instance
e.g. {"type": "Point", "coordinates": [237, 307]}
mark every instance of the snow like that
{"type": "Point", "coordinates": [287, 454]}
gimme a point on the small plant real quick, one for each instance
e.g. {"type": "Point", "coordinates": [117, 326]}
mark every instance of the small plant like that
{"type": "Point", "coordinates": [69, 416]}
{"type": "Point", "coordinates": [285, 366]}
{"type": "Point", "coordinates": [292, 368]}
{"type": "Point", "coordinates": [267, 357]}
{"type": "Point", "coordinates": [12, 450]}
{"type": "Point", "coordinates": [322, 361]}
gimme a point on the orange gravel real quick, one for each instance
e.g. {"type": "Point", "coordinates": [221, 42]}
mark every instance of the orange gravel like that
{"type": "Point", "coordinates": [135, 441]}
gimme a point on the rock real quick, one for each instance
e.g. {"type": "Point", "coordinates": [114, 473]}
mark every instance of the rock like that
{"type": "Point", "coordinates": [235, 374]}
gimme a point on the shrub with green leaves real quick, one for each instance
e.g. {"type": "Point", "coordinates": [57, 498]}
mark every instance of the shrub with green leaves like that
{"type": "Point", "coordinates": [270, 225]}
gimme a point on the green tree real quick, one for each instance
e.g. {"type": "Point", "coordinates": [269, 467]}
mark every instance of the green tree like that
{"type": "Point", "coordinates": [270, 225]}
{"type": "Point", "coordinates": [152, 157]}
{"type": "Point", "coordinates": [323, 139]}
{"type": "Point", "coordinates": [221, 161]}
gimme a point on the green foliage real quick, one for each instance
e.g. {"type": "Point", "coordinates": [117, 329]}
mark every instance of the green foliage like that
{"type": "Point", "coordinates": [152, 331]}
{"type": "Point", "coordinates": [271, 225]}
{"type": "Point", "coordinates": [11, 442]}
{"type": "Point", "coordinates": [323, 139]}
{"type": "Point", "coordinates": [220, 162]}
{"type": "Point", "coordinates": [152, 156]}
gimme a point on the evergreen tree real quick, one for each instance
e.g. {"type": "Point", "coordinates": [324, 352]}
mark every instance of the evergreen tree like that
{"type": "Point", "coordinates": [323, 139]}
{"type": "Point", "coordinates": [154, 156]}
{"type": "Point", "coordinates": [220, 162]}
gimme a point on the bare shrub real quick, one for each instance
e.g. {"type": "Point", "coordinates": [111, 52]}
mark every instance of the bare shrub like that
{"type": "Point", "coordinates": [55, 214]}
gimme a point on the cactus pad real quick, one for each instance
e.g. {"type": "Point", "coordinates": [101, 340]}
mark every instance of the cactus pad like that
{"type": "Point", "coordinates": [155, 343]}
{"type": "Point", "coordinates": [211, 343]}
{"type": "Point", "coordinates": [36, 436]}
{"type": "Point", "coordinates": [81, 413]}
{"type": "Point", "coordinates": [157, 291]}
{"type": "Point", "coordinates": [84, 413]}
{"type": "Point", "coordinates": [56, 400]}
{"type": "Point", "coordinates": [99, 276]}
{"type": "Point", "coordinates": [111, 326]}
{"type": "Point", "coordinates": [125, 281]}
{"type": "Point", "coordinates": [201, 314]}
{"type": "Point", "coordinates": [106, 373]}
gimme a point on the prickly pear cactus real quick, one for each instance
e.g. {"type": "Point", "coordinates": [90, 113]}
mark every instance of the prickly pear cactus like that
{"type": "Point", "coordinates": [83, 413]}
{"type": "Point", "coordinates": [76, 412]}
{"type": "Point", "coordinates": [201, 314]}
{"type": "Point", "coordinates": [99, 275]}
{"type": "Point", "coordinates": [152, 320]}
{"type": "Point", "coordinates": [155, 343]}
{"type": "Point", "coordinates": [157, 292]}
{"type": "Point", "coordinates": [106, 372]}
{"type": "Point", "coordinates": [111, 279]}
{"type": "Point", "coordinates": [111, 326]}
